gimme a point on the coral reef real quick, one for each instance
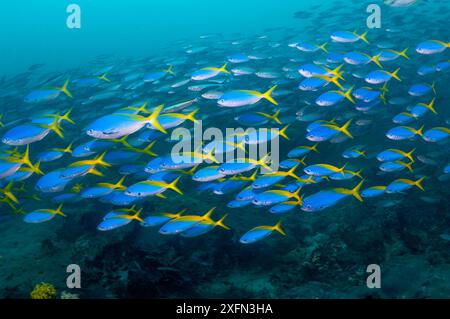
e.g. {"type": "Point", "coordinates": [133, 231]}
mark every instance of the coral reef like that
{"type": "Point", "coordinates": [43, 291]}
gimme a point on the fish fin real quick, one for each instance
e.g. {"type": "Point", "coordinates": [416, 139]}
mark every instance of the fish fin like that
{"type": "Point", "coordinates": [433, 87]}
{"type": "Point", "coordinates": [119, 184]}
{"type": "Point", "coordinates": [173, 186]}
{"type": "Point", "coordinates": [65, 90]}
{"type": "Point", "coordinates": [403, 54]}
{"type": "Point", "coordinates": [314, 148]}
{"type": "Point", "coordinates": [358, 173]}
{"type": "Point", "coordinates": [409, 155]}
{"type": "Point", "coordinates": [335, 81]}
{"type": "Point", "coordinates": [363, 37]}
{"type": "Point", "coordinates": [430, 106]}
{"type": "Point", "coordinates": [342, 169]}
{"type": "Point", "coordinates": [362, 153]}
{"type": "Point", "coordinates": [191, 116]}
{"type": "Point", "coordinates": [7, 192]}
{"type": "Point", "coordinates": [104, 77]}
{"type": "Point", "coordinates": [54, 127]}
{"type": "Point", "coordinates": [99, 160]}
{"type": "Point", "coordinates": [210, 156]}
{"type": "Point", "coordinates": [275, 117]}
{"type": "Point", "coordinates": [169, 70]}
{"type": "Point", "coordinates": [344, 128]}
{"type": "Point", "coordinates": [291, 172]}
{"type": "Point", "coordinates": [93, 171]}
{"type": "Point", "coordinates": [148, 149]}
{"type": "Point", "coordinates": [221, 224]}
{"type": "Point", "coordinates": [26, 158]}
{"type": "Point", "coordinates": [395, 76]}
{"type": "Point", "coordinates": [408, 166]}
{"type": "Point", "coordinates": [420, 131]}
{"type": "Point", "coordinates": [36, 168]}
{"type": "Point", "coordinates": [348, 95]}
{"type": "Point", "coordinates": [66, 117]}
{"type": "Point", "coordinates": [209, 213]}
{"type": "Point", "coordinates": [376, 60]}
{"type": "Point", "coordinates": [153, 119]}
{"type": "Point", "coordinates": [336, 72]}
{"type": "Point", "coordinates": [418, 183]}
{"type": "Point", "coordinates": [223, 69]}
{"type": "Point", "coordinates": [323, 47]}
{"type": "Point", "coordinates": [161, 196]}
{"type": "Point", "coordinates": [355, 191]}
{"type": "Point", "coordinates": [277, 228]}
{"type": "Point", "coordinates": [263, 163]}
{"type": "Point", "coordinates": [58, 211]}
{"type": "Point", "coordinates": [283, 132]}
{"type": "Point", "coordinates": [267, 95]}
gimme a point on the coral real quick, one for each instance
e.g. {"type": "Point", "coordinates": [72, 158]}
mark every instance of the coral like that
{"type": "Point", "coordinates": [43, 291]}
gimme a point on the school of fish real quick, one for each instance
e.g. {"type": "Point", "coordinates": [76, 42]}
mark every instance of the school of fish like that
{"type": "Point", "coordinates": [354, 128]}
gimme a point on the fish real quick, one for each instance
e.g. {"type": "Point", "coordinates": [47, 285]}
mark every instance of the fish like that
{"type": "Point", "coordinates": [436, 134]}
{"type": "Point", "coordinates": [328, 198]}
{"type": "Point", "coordinates": [404, 132]}
{"type": "Point", "coordinates": [260, 232]}
{"type": "Point", "coordinates": [401, 185]}
{"type": "Point", "coordinates": [209, 72]}
{"type": "Point", "coordinates": [47, 94]}
{"type": "Point", "coordinates": [43, 215]}
{"type": "Point", "coordinates": [240, 98]}
{"type": "Point", "coordinates": [348, 37]}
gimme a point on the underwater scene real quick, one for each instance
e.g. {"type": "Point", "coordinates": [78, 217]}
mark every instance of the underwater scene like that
{"type": "Point", "coordinates": [225, 149]}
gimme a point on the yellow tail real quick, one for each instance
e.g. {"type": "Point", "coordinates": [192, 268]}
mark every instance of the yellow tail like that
{"type": "Point", "coordinates": [208, 213]}
{"type": "Point", "coordinates": [223, 69]}
{"type": "Point", "coordinates": [169, 70]}
{"type": "Point", "coordinates": [418, 183]}
{"type": "Point", "coordinates": [420, 131]}
{"type": "Point", "coordinates": [395, 76]}
{"type": "Point", "coordinates": [58, 211]}
{"type": "Point", "coordinates": [148, 149]}
{"type": "Point", "coordinates": [323, 47]}
{"type": "Point", "coordinates": [65, 90]}
{"type": "Point", "coordinates": [267, 95]}
{"type": "Point", "coordinates": [277, 228]}
{"type": "Point", "coordinates": [54, 127]}
{"type": "Point", "coordinates": [407, 165]}
{"type": "Point", "coordinates": [273, 117]}
{"type": "Point", "coordinates": [153, 119]}
{"type": "Point", "coordinates": [430, 106]}
{"type": "Point", "coordinates": [173, 186]}
{"type": "Point", "coordinates": [355, 191]}
{"type": "Point", "coordinates": [403, 54]}
{"type": "Point", "coordinates": [344, 128]}
{"type": "Point", "coordinates": [283, 132]}
{"type": "Point", "coordinates": [363, 36]}
{"type": "Point", "coordinates": [7, 192]}
{"type": "Point", "coordinates": [409, 155]}
{"type": "Point", "coordinates": [221, 224]}
{"type": "Point", "coordinates": [191, 116]}
{"type": "Point", "coordinates": [376, 60]}
{"type": "Point", "coordinates": [103, 77]}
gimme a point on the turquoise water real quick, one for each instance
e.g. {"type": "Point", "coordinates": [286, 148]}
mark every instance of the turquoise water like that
{"type": "Point", "coordinates": [123, 56]}
{"type": "Point", "coordinates": [125, 29]}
